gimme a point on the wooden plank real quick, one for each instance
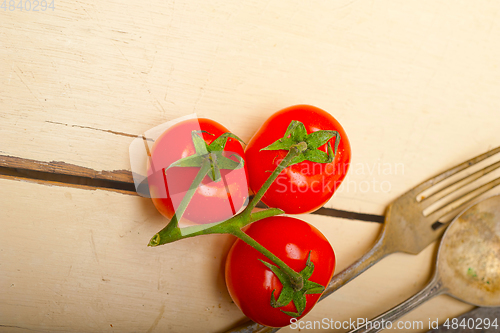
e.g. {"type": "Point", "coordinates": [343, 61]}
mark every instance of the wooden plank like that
{"type": "Point", "coordinates": [63, 168]}
{"type": "Point", "coordinates": [416, 84]}
{"type": "Point", "coordinates": [76, 260]}
{"type": "Point", "coordinates": [84, 266]}
{"type": "Point", "coordinates": [61, 181]}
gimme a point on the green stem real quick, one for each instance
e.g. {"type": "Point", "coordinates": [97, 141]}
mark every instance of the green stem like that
{"type": "Point", "coordinates": [172, 231]}
{"type": "Point", "coordinates": [179, 212]}
{"type": "Point", "coordinates": [233, 226]}
{"type": "Point", "coordinates": [171, 234]}
{"type": "Point", "coordinates": [294, 151]}
{"type": "Point", "coordinates": [296, 279]}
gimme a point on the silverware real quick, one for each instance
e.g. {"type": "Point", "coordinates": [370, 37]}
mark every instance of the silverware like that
{"type": "Point", "coordinates": [414, 220]}
{"type": "Point", "coordinates": [467, 268]}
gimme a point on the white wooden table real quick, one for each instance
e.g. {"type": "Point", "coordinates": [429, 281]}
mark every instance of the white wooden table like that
{"type": "Point", "coordinates": [416, 85]}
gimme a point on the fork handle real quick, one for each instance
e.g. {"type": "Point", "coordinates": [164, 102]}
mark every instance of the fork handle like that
{"type": "Point", "coordinates": [385, 320]}
{"type": "Point", "coordinates": [374, 255]}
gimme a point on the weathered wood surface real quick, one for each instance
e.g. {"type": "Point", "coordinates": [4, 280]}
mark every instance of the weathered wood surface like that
{"type": "Point", "coordinates": [416, 85]}
{"type": "Point", "coordinates": [76, 260]}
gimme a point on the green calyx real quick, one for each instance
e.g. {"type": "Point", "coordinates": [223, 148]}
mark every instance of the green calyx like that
{"type": "Point", "coordinates": [296, 133]}
{"type": "Point", "coordinates": [291, 292]}
{"type": "Point", "coordinates": [214, 153]}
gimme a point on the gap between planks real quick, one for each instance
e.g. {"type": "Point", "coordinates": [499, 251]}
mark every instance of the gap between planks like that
{"type": "Point", "coordinates": [58, 173]}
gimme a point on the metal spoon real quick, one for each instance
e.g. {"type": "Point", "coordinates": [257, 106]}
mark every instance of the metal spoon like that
{"type": "Point", "coordinates": [467, 268]}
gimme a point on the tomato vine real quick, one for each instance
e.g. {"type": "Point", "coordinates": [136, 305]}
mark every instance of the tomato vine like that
{"type": "Point", "coordinates": [209, 159]}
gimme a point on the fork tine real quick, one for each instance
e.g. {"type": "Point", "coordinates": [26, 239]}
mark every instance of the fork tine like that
{"type": "Point", "coordinates": [433, 198]}
{"type": "Point", "coordinates": [433, 181]}
{"type": "Point", "coordinates": [463, 201]}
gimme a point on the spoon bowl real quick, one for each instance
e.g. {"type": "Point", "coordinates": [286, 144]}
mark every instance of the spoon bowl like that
{"type": "Point", "coordinates": [469, 256]}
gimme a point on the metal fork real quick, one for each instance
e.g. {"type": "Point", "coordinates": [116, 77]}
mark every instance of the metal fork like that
{"type": "Point", "coordinates": [408, 227]}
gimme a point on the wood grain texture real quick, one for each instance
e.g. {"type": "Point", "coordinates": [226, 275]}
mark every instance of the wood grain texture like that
{"type": "Point", "coordinates": [83, 266]}
{"type": "Point", "coordinates": [416, 84]}
{"type": "Point", "coordinates": [63, 168]}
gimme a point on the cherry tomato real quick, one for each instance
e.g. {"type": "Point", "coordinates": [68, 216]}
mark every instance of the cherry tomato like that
{"type": "Point", "coordinates": [306, 186]}
{"type": "Point", "coordinates": [212, 201]}
{"type": "Point", "coordinates": [250, 282]}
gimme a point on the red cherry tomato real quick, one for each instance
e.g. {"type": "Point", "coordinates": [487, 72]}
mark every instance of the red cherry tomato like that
{"type": "Point", "coordinates": [212, 201]}
{"type": "Point", "coordinates": [306, 186]}
{"type": "Point", "coordinates": [250, 282]}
